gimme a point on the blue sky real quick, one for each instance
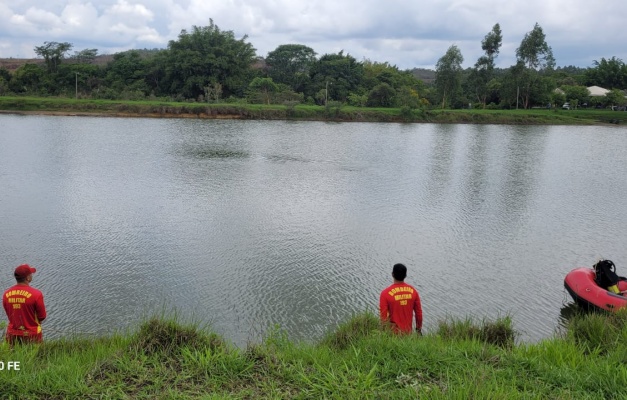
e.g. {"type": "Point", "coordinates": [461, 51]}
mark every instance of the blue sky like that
{"type": "Point", "coordinates": [407, 34]}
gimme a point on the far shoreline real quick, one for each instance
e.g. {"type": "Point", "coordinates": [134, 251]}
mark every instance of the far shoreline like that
{"type": "Point", "coordinates": [298, 112]}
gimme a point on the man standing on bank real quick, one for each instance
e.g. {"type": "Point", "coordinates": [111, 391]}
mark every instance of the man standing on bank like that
{"type": "Point", "coordinates": [25, 308]}
{"type": "Point", "coordinates": [398, 302]}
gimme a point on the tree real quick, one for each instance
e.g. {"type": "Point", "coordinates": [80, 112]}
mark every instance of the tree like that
{"type": "Point", "coordinates": [127, 72]}
{"type": "Point", "coordinates": [576, 94]}
{"type": "Point", "coordinates": [204, 56]}
{"type": "Point", "coordinates": [610, 74]}
{"type": "Point", "coordinates": [86, 56]}
{"type": "Point", "coordinates": [448, 74]}
{"type": "Point", "coordinates": [534, 52]}
{"type": "Point", "coordinates": [376, 73]}
{"type": "Point", "coordinates": [263, 87]}
{"type": "Point", "coordinates": [615, 97]}
{"type": "Point", "coordinates": [284, 94]}
{"type": "Point", "coordinates": [535, 55]}
{"type": "Point", "coordinates": [558, 98]}
{"type": "Point", "coordinates": [340, 74]}
{"type": "Point", "coordinates": [357, 100]}
{"type": "Point", "coordinates": [213, 92]}
{"type": "Point", "coordinates": [491, 43]}
{"type": "Point", "coordinates": [407, 97]}
{"type": "Point", "coordinates": [381, 95]}
{"type": "Point", "coordinates": [29, 78]}
{"type": "Point", "coordinates": [53, 53]}
{"type": "Point", "coordinates": [5, 77]}
{"type": "Point", "coordinates": [290, 64]}
{"type": "Point", "coordinates": [484, 67]}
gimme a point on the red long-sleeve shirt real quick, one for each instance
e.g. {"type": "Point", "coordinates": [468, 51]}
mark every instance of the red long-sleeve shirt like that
{"type": "Point", "coordinates": [397, 304]}
{"type": "Point", "coordinates": [24, 306]}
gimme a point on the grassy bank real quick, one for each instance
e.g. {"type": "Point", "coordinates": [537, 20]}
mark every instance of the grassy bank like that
{"type": "Point", "coordinates": [460, 360]}
{"type": "Point", "coordinates": [334, 112]}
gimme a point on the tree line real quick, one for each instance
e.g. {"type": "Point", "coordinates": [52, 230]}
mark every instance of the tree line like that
{"type": "Point", "coordinates": [207, 64]}
{"type": "Point", "coordinates": [533, 81]}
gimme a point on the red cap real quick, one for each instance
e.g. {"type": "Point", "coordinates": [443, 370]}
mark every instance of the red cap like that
{"type": "Point", "coordinates": [23, 271]}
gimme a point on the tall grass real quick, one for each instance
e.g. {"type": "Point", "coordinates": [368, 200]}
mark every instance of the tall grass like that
{"type": "Point", "coordinates": [600, 333]}
{"type": "Point", "coordinates": [499, 332]}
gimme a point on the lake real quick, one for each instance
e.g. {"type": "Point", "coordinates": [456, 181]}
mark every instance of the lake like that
{"type": "Point", "coordinates": [249, 225]}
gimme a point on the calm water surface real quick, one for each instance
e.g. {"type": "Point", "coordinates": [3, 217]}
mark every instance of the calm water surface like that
{"type": "Point", "coordinates": [249, 224]}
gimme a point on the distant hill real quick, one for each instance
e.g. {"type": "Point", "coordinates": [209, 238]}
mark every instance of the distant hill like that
{"type": "Point", "coordinates": [11, 64]}
{"type": "Point", "coordinates": [425, 75]}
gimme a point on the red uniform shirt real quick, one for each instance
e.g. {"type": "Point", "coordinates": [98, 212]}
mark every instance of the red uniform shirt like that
{"type": "Point", "coordinates": [25, 308]}
{"type": "Point", "coordinates": [397, 304]}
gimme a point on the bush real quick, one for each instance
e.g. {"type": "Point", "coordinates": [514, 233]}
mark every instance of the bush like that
{"type": "Point", "coordinates": [407, 113]}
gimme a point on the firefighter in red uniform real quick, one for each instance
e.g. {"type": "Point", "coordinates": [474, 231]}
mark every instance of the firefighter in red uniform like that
{"type": "Point", "coordinates": [399, 303]}
{"type": "Point", "coordinates": [24, 306]}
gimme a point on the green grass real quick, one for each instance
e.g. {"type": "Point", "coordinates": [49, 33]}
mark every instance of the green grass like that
{"type": "Point", "coordinates": [168, 359]}
{"type": "Point", "coordinates": [334, 112]}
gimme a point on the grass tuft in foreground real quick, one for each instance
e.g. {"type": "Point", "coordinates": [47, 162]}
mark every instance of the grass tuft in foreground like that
{"type": "Point", "coordinates": [356, 328]}
{"type": "Point", "coordinates": [168, 338]}
{"type": "Point", "coordinates": [600, 332]}
{"type": "Point", "coordinates": [167, 359]}
{"type": "Point", "coordinates": [500, 332]}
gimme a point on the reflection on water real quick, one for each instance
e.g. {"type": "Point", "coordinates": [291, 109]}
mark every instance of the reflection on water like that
{"type": "Point", "coordinates": [248, 224]}
{"type": "Point", "coordinates": [213, 153]}
{"type": "Point", "coordinates": [569, 311]}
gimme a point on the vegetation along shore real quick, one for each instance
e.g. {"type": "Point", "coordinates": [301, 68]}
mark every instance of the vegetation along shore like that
{"type": "Point", "coordinates": [335, 111]}
{"type": "Point", "coordinates": [461, 359]}
{"type": "Point", "coordinates": [209, 73]}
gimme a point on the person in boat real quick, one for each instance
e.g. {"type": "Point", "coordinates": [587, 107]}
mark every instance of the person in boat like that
{"type": "Point", "coordinates": [24, 306]}
{"type": "Point", "coordinates": [399, 303]}
{"type": "Point", "coordinates": [606, 277]}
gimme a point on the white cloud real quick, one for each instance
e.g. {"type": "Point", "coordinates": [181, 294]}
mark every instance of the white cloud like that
{"type": "Point", "coordinates": [407, 34]}
{"type": "Point", "coordinates": [76, 16]}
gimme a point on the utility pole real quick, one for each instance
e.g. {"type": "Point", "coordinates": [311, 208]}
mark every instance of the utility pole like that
{"type": "Point", "coordinates": [326, 94]}
{"type": "Point", "coordinates": [76, 86]}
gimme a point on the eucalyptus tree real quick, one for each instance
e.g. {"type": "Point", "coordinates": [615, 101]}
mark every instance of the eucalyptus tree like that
{"type": "Point", "coordinates": [290, 64]}
{"type": "Point", "coordinates": [53, 53]}
{"type": "Point", "coordinates": [449, 74]}
{"type": "Point", "coordinates": [483, 71]}
{"type": "Point", "coordinates": [536, 57]}
{"type": "Point", "coordinates": [205, 56]}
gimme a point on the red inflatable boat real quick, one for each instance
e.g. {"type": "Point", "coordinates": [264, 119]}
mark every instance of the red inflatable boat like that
{"type": "Point", "coordinates": [583, 289]}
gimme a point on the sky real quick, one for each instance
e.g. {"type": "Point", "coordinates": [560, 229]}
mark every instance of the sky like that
{"type": "Point", "coordinates": [407, 34]}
